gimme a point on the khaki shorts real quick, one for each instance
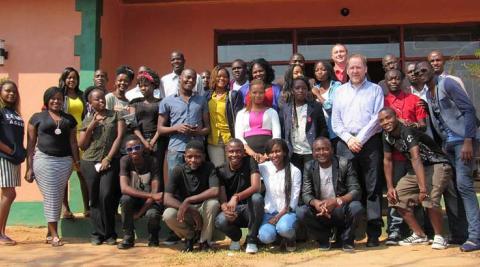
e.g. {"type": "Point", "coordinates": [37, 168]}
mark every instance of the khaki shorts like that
{"type": "Point", "coordinates": [437, 178]}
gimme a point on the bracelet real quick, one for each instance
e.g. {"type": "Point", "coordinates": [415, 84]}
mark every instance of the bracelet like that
{"type": "Point", "coordinates": [108, 158]}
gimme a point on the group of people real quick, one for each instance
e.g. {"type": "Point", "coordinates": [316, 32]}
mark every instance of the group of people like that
{"type": "Point", "coordinates": [307, 159]}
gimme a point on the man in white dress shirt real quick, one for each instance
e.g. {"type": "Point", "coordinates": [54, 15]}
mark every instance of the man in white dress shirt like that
{"type": "Point", "coordinates": [354, 120]}
{"type": "Point", "coordinates": [169, 82]}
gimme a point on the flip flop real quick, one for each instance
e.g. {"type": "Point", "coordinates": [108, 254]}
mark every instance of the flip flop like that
{"type": "Point", "coordinates": [7, 241]}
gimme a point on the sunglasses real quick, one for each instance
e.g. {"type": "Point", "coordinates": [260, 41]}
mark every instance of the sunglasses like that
{"type": "Point", "coordinates": [134, 148]}
{"type": "Point", "coordinates": [421, 71]}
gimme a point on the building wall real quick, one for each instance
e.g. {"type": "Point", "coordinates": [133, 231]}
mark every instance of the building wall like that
{"type": "Point", "coordinates": [149, 32]}
{"type": "Point", "coordinates": [39, 37]}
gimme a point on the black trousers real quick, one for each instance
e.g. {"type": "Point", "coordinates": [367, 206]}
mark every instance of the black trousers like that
{"type": "Point", "coordinates": [129, 206]}
{"type": "Point", "coordinates": [249, 215]}
{"type": "Point", "coordinates": [369, 167]}
{"type": "Point", "coordinates": [104, 190]}
{"type": "Point", "coordinates": [345, 219]}
{"type": "Point", "coordinates": [302, 162]}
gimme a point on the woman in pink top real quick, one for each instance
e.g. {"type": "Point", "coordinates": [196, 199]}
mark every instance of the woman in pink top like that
{"type": "Point", "coordinates": [256, 123]}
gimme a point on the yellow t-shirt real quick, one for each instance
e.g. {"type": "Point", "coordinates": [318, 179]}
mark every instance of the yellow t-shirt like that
{"type": "Point", "coordinates": [218, 120]}
{"type": "Point", "coordinates": [75, 108]}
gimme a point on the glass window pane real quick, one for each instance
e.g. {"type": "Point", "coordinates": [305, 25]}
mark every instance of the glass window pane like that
{"type": "Point", "coordinates": [273, 46]}
{"type": "Point", "coordinates": [451, 40]}
{"type": "Point", "coordinates": [315, 45]}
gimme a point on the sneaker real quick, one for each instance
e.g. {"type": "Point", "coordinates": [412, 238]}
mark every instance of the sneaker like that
{"type": "Point", "coordinates": [324, 246]}
{"type": "Point", "coordinates": [112, 241]}
{"type": "Point", "coordinates": [469, 246]}
{"type": "Point", "coordinates": [373, 242]}
{"type": "Point", "coordinates": [393, 240]}
{"type": "Point", "coordinates": [96, 241]}
{"type": "Point", "coordinates": [171, 240]}
{"type": "Point", "coordinates": [234, 245]}
{"type": "Point", "coordinates": [414, 239]}
{"type": "Point", "coordinates": [291, 246]}
{"type": "Point", "coordinates": [348, 247]}
{"type": "Point", "coordinates": [251, 248]}
{"type": "Point", "coordinates": [125, 244]}
{"type": "Point", "coordinates": [439, 242]}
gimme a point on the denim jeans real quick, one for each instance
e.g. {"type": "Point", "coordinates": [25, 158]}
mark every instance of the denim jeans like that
{"type": "Point", "coordinates": [285, 227]}
{"type": "Point", "coordinates": [174, 158]}
{"type": "Point", "coordinates": [249, 215]}
{"type": "Point", "coordinates": [464, 178]}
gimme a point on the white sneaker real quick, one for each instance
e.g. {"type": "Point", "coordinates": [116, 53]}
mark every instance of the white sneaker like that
{"type": "Point", "coordinates": [235, 245]}
{"type": "Point", "coordinates": [251, 248]}
{"type": "Point", "coordinates": [414, 239]}
{"type": "Point", "coordinates": [439, 242]}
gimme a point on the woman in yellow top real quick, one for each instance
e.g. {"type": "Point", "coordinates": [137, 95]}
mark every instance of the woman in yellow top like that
{"type": "Point", "coordinates": [223, 106]}
{"type": "Point", "coordinates": [75, 106]}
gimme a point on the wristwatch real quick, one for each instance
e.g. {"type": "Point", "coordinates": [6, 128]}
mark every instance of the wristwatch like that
{"type": "Point", "coordinates": [339, 201]}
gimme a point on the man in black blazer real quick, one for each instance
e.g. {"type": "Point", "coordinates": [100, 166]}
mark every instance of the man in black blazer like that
{"type": "Point", "coordinates": [331, 194]}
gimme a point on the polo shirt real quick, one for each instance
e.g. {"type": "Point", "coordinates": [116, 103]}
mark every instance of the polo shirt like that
{"type": "Point", "coordinates": [236, 181]}
{"type": "Point", "coordinates": [177, 111]}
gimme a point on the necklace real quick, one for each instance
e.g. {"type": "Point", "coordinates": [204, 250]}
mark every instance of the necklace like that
{"type": "Point", "coordinates": [58, 131]}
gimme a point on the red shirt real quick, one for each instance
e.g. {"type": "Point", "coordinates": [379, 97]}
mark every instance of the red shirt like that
{"type": "Point", "coordinates": [405, 106]}
{"type": "Point", "coordinates": [268, 100]}
{"type": "Point", "coordinates": [341, 75]}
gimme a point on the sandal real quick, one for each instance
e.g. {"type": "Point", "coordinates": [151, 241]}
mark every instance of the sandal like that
{"type": "Point", "coordinates": [57, 242]}
{"type": "Point", "coordinates": [48, 240]}
{"type": "Point", "coordinates": [68, 215]}
{"type": "Point", "coordinates": [7, 241]}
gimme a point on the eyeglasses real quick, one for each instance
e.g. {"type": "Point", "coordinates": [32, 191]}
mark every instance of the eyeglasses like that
{"type": "Point", "coordinates": [134, 148]}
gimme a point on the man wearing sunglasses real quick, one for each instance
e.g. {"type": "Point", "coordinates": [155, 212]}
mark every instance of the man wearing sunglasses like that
{"type": "Point", "coordinates": [142, 192]}
{"type": "Point", "coordinates": [454, 119]}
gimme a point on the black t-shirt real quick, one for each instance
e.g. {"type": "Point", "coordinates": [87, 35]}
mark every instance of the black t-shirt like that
{"type": "Point", "coordinates": [409, 137]}
{"type": "Point", "coordinates": [146, 115]}
{"type": "Point", "coordinates": [238, 180]}
{"type": "Point", "coordinates": [141, 177]}
{"type": "Point", "coordinates": [186, 182]}
{"type": "Point", "coordinates": [49, 142]}
{"type": "Point", "coordinates": [11, 134]}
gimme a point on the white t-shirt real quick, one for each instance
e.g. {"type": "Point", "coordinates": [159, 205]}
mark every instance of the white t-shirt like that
{"type": "Point", "coordinates": [299, 136]}
{"type": "Point", "coordinates": [237, 86]}
{"type": "Point", "coordinates": [326, 183]}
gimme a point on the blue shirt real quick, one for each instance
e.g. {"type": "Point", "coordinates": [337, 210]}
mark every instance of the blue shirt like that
{"type": "Point", "coordinates": [355, 111]}
{"type": "Point", "coordinates": [177, 111]}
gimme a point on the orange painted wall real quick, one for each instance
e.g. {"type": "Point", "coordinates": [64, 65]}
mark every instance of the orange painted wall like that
{"type": "Point", "coordinates": [39, 37]}
{"type": "Point", "coordinates": [149, 32]}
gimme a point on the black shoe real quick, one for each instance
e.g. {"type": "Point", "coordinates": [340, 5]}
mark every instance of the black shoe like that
{"type": "Point", "coordinates": [324, 245]}
{"type": "Point", "coordinates": [456, 241]}
{"type": "Point", "coordinates": [125, 244]}
{"type": "Point", "coordinates": [337, 244]}
{"type": "Point", "coordinates": [112, 241]}
{"type": "Point", "coordinates": [188, 245]}
{"type": "Point", "coordinates": [171, 240]}
{"type": "Point", "coordinates": [96, 241]}
{"type": "Point", "coordinates": [204, 246]}
{"type": "Point", "coordinates": [373, 242]}
{"type": "Point", "coordinates": [153, 243]}
{"type": "Point", "coordinates": [348, 247]}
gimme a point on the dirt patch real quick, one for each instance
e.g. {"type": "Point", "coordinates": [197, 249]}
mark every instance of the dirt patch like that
{"type": "Point", "coordinates": [32, 251]}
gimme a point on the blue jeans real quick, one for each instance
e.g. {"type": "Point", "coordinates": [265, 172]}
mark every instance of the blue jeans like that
{"type": "Point", "coordinates": [464, 177]}
{"type": "Point", "coordinates": [174, 158]}
{"type": "Point", "coordinates": [285, 227]}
